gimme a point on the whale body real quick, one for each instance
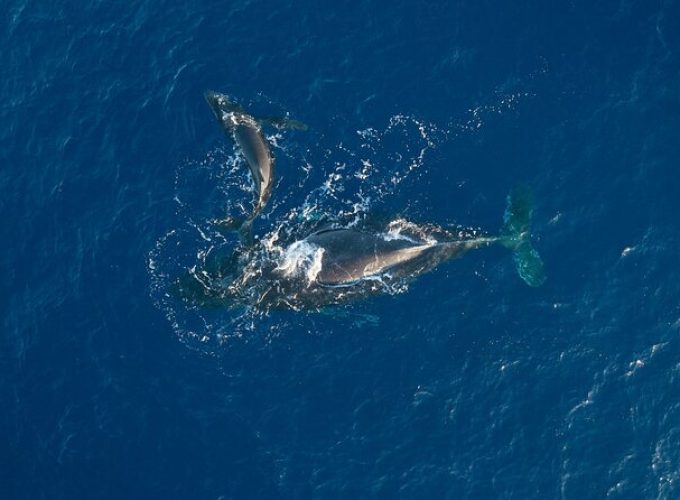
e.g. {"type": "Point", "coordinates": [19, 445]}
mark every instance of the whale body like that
{"type": "Point", "coordinates": [246, 132]}
{"type": "Point", "coordinates": [341, 264]}
{"type": "Point", "coordinates": [349, 255]}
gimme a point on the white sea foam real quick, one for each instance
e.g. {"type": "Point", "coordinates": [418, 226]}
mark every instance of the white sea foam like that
{"type": "Point", "coordinates": [396, 228]}
{"type": "Point", "coordinates": [394, 233]}
{"type": "Point", "coordinates": [301, 259]}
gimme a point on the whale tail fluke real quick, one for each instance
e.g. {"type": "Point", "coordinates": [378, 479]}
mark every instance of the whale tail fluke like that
{"type": "Point", "coordinates": [243, 226]}
{"type": "Point", "coordinates": [516, 236]}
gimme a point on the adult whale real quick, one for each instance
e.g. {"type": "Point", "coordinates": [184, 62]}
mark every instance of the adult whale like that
{"type": "Point", "coordinates": [337, 265]}
{"type": "Point", "coordinates": [246, 131]}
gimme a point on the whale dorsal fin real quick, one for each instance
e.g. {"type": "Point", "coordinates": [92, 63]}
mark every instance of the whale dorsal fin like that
{"type": "Point", "coordinates": [327, 227]}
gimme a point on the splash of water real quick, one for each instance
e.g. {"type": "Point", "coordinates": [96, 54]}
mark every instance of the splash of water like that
{"type": "Point", "coordinates": [301, 259]}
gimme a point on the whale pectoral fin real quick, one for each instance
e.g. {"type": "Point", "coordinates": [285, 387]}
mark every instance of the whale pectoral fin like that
{"type": "Point", "coordinates": [358, 319]}
{"type": "Point", "coordinates": [284, 122]}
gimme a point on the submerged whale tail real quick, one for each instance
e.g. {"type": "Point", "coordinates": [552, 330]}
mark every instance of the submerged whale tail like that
{"type": "Point", "coordinates": [243, 226]}
{"type": "Point", "coordinates": [517, 237]}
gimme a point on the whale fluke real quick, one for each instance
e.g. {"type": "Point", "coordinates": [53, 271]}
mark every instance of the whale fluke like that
{"type": "Point", "coordinates": [242, 225]}
{"type": "Point", "coordinates": [516, 236]}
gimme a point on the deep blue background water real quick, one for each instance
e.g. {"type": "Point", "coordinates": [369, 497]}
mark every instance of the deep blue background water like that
{"type": "Point", "coordinates": [470, 384]}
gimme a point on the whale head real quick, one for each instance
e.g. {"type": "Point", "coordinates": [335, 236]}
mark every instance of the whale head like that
{"type": "Point", "coordinates": [221, 104]}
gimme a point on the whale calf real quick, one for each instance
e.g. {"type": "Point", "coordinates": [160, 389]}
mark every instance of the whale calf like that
{"type": "Point", "coordinates": [246, 131]}
{"type": "Point", "coordinates": [337, 265]}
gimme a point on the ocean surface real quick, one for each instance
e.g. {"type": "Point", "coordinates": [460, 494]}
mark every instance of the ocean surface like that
{"type": "Point", "coordinates": [467, 384]}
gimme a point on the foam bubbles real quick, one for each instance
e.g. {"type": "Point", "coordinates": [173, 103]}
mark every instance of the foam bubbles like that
{"type": "Point", "coordinates": [301, 259]}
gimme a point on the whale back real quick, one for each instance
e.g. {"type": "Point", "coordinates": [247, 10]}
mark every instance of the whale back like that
{"type": "Point", "coordinates": [258, 156]}
{"type": "Point", "coordinates": [247, 133]}
{"type": "Point", "coordinates": [350, 255]}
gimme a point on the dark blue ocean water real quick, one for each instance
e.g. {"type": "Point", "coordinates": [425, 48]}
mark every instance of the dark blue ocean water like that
{"type": "Point", "coordinates": [467, 385]}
